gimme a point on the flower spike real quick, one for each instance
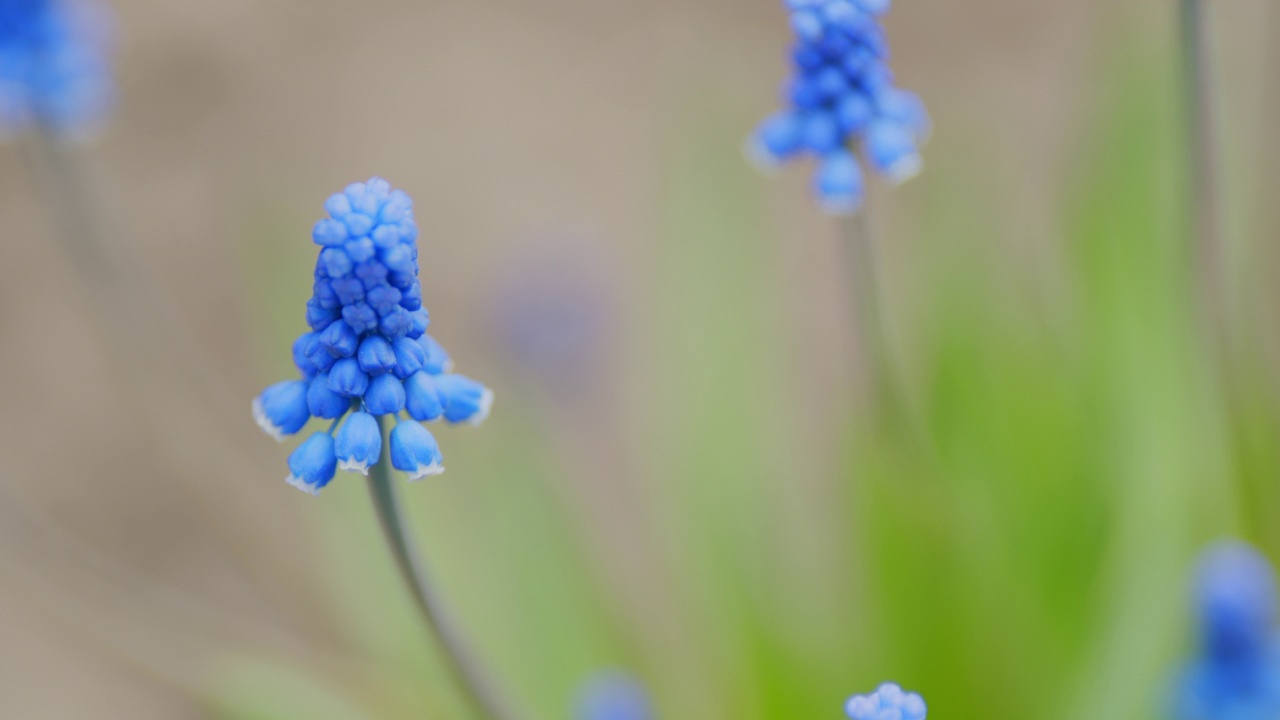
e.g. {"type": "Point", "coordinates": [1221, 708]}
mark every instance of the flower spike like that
{"type": "Point", "coordinates": [367, 349]}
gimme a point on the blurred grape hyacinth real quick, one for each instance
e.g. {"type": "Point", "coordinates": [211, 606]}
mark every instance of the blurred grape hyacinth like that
{"type": "Point", "coordinates": [368, 354]}
{"type": "Point", "coordinates": [55, 65]}
{"type": "Point", "coordinates": [614, 696]}
{"type": "Point", "coordinates": [842, 96]}
{"type": "Point", "coordinates": [888, 702]}
{"type": "Point", "coordinates": [1236, 675]}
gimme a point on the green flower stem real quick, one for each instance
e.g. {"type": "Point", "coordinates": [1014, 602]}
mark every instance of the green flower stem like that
{"type": "Point", "coordinates": [467, 671]}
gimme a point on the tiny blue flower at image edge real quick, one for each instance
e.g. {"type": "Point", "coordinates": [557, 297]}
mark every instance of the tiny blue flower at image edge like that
{"type": "Point", "coordinates": [841, 98]}
{"type": "Point", "coordinates": [888, 702]}
{"type": "Point", "coordinates": [55, 65]}
{"type": "Point", "coordinates": [1236, 672]}
{"type": "Point", "coordinates": [613, 695]}
{"type": "Point", "coordinates": [367, 355]}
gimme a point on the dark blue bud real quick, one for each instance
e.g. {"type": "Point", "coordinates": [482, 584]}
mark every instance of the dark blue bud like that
{"type": "Point", "coordinates": [438, 360]}
{"type": "Point", "coordinates": [831, 83]}
{"type": "Point", "coordinates": [358, 224]}
{"type": "Point", "coordinates": [320, 317]}
{"type": "Point", "coordinates": [421, 399]}
{"type": "Point", "coordinates": [337, 205]}
{"type": "Point", "coordinates": [282, 408]}
{"type": "Point", "coordinates": [411, 298]}
{"type": "Point", "coordinates": [313, 464]}
{"type": "Point", "coordinates": [420, 320]}
{"type": "Point", "coordinates": [376, 355]}
{"type": "Point", "coordinates": [384, 236]}
{"type": "Point", "coordinates": [317, 354]}
{"type": "Point", "coordinates": [360, 250]}
{"type": "Point", "coordinates": [839, 184]}
{"type": "Point", "coordinates": [301, 346]}
{"type": "Point", "coordinates": [348, 290]}
{"type": "Point", "coordinates": [329, 233]}
{"type": "Point", "coordinates": [340, 339]}
{"type": "Point", "coordinates": [821, 133]}
{"type": "Point", "coordinates": [409, 356]}
{"type": "Point", "coordinates": [361, 317]}
{"type": "Point", "coordinates": [891, 149]}
{"type": "Point", "coordinates": [336, 262]}
{"type": "Point", "coordinates": [835, 46]}
{"type": "Point", "coordinates": [854, 112]}
{"type": "Point", "coordinates": [371, 274]}
{"type": "Point", "coordinates": [322, 291]}
{"type": "Point", "coordinates": [396, 323]}
{"type": "Point", "coordinates": [807, 57]}
{"type": "Point", "coordinates": [323, 402]}
{"type": "Point", "coordinates": [358, 443]}
{"type": "Point", "coordinates": [383, 298]}
{"type": "Point", "coordinates": [414, 451]}
{"type": "Point", "coordinates": [401, 279]}
{"type": "Point", "coordinates": [385, 395]}
{"type": "Point", "coordinates": [464, 399]}
{"type": "Point", "coordinates": [805, 93]}
{"type": "Point", "coordinates": [347, 379]}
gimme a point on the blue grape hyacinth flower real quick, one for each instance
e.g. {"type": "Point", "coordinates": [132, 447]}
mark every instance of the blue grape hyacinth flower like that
{"type": "Point", "coordinates": [888, 702]}
{"type": "Point", "coordinates": [614, 696]}
{"type": "Point", "coordinates": [1236, 673]}
{"type": "Point", "coordinates": [841, 99]}
{"type": "Point", "coordinates": [367, 354]}
{"type": "Point", "coordinates": [55, 65]}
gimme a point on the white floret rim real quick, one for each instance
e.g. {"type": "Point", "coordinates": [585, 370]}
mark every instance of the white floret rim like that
{"type": "Point", "coordinates": [423, 471]}
{"type": "Point", "coordinates": [264, 422]}
{"type": "Point", "coordinates": [353, 465]}
{"type": "Point", "coordinates": [303, 485]}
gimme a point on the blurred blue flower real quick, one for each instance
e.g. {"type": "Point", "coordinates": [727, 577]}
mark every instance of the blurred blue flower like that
{"type": "Point", "coordinates": [840, 97]}
{"type": "Point", "coordinates": [888, 702]}
{"type": "Point", "coordinates": [614, 696]}
{"type": "Point", "coordinates": [1236, 675]}
{"type": "Point", "coordinates": [367, 352]}
{"type": "Point", "coordinates": [55, 65]}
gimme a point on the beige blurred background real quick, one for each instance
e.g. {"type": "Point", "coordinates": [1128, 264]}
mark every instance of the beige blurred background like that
{"type": "Point", "coordinates": [145, 529]}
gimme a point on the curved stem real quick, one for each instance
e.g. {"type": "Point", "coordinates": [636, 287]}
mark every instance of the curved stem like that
{"type": "Point", "coordinates": [467, 671]}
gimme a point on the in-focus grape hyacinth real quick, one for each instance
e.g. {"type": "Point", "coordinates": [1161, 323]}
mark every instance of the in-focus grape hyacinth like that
{"type": "Point", "coordinates": [367, 354]}
{"type": "Point", "coordinates": [842, 97]}
{"type": "Point", "coordinates": [888, 702]}
{"type": "Point", "coordinates": [55, 65]}
{"type": "Point", "coordinates": [1236, 675]}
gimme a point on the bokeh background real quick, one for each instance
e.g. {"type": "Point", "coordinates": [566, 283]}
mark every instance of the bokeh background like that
{"type": "Point", "coordinates": [692, 472]}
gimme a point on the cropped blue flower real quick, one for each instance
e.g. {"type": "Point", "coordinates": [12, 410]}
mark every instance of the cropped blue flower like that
{"type": "Point", "coordinates": [888, 702]}
{"type": "Point", "coordinates": [55, 67]}
{"type": "Point", "coordinates": [1236, 674]}
{"type": "Point", "coordinates": [841, 99]}
{"type": "Point", "coordinates": [367, 353]}
{"type": "Point", "coordinates": [614, 696]}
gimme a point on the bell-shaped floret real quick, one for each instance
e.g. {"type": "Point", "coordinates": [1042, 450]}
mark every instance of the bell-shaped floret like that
{"type": "Point", "coordinates": [464, 399]}
{"type": "Point", "coordinates": [282, 408]}
{"type": "Point", "coordinates": [313, 464]}
{"type": "Point", "coordinates": [359, 443]}
{"type": "Point", "coordinates": [414, 451]}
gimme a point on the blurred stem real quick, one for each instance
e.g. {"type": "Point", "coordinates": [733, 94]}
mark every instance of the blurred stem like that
{"type": "Point", "coordinates": [1202, 156]}
{"type": "Point", "coordinates": [860, 245]}
{"type": "Point", "coordinates": [467, 671]}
